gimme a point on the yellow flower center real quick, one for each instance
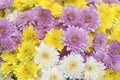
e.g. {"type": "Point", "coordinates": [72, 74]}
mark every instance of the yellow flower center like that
{"type": "Point", "coordinates": [72, 65]}
{"type": "Point", "coordinates": [117, 51]}
{"type": "Point", "coordinates": [45, 56]}
{"type": "Point", "coordinates": [75, 39]}
{"type": "Point", "coordinates": [43, 17]}
{"type": "Point", "coordinates": [53, 77]}
{"type": "Point", "coordinates": [2, 29]}
{"type": "Point", "coordinates": [87, 19]}
{"type": "Point", "coordinates": [89, 68]}
{"type": "Point", "coordinates": [71, 17]}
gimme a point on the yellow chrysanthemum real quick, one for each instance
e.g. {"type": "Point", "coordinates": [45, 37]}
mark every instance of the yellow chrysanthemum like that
{"type": "Point", "coordinates": [107, 15]}
{"type": "Point", "coordinates": [30, 35]}
{"type": "Point", "coordinates": [7, 68]}
{"type": "Point", "coordinates": [10, 57]}
{"type": "Point", "coordinates": [91, 37]}
{"type": "Point", "coordinates": [26, 71]}
{"type": "Point", "coordinates": [117, 7]}
{"type": "Point", "coordinates": [26, 51]}
{"type": "Point", "coordinates": [53, 38]}
{"type": "Point", "coordinates": [55, 7]}
{"type": "Point", "coordinates": [23, 4]}
{"type": "Point", "coordinates": [115, 34]}
{"type": "Point", "coordinates": [79, 3]}
{"type": "Point", "coordinates": [2, 13]}
{"type": "Point", "coordinates": [112, 75]}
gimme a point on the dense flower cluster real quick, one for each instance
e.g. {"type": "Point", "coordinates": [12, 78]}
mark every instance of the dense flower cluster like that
{"type": "Point", "coordinates": [59, 40]}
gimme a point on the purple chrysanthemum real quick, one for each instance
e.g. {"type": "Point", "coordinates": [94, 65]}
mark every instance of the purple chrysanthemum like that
{"type": "Point", "coordinates": [6, 45]}
{"type": "Point", "coordinates": [16, 37]}
{"type": "Point", "coordinates": [75, 39]}
{"type": "Point", "coordinates": [114, 49]}
{"type": "Point", "coordinates": [99, 41]}
{"type": "Point", "coordinates": [24, 19]}
{"type": "Point", "coordinates": [71, 16]}
{"type": "Point", "coordinates": [111, 1]}
{"type": "Point", "coordinates": [95, 1]}
{"type": "Point", "coordinates": [5, 3]}
{"type": "Point", "coordinates": [111, 62]}
{"type": "Point", "coordinates": [59, 25]}
{"type": "Point", "coordinates": [42, 16]}
{"type": "Point", "coordinates": [6, 28]}
{"type": "Point", "coordinates": [90, 17]}
{"type": "Point", "coordinates": [41, 31]}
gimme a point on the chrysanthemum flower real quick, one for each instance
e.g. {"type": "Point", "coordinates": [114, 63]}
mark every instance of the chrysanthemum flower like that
{"type": "Point", "coordinates": [111, 1]}
{"type": "Point", "coordinates": [71, 15]}
{"type": "Point", "coordinates": [90, 17]}
{"type": "Point", "coordinates": [72, 66]}
{"type": "Point", "coordinates": [23, 4]}
{"type": "Point", "coordinates": [95, 1]}
{"type": "Point", "coordinates": [46, 55]}
{"type": "Point", "coordinates": [6, 28]}
{"type": "Point", "coordinates": [114, 49]}
{"type": "Point", "coordinates": [53, 38]}
{"type": "Point", "coordinates": [79, 3]}
{"type": "Point", "coordinates": [30, 35]}
{"type": "Point", "coordinates": [53, 73]}
{"type": "Point", "coordinates": [93, 69]}
{"type": "Point", "coordinates": [26, 51]}
{"type": "Point", "coordinates": [7, 68]}
{"type": "Point", "coordinates": [10, 57]}
{"type": "Point", "coordinates": [111, 74]}
{"type": "Point", "coordinates": [75, 39]}
{"type": "Point", "coordinates": [16, 37]}
{"type": "Point", "coordinates": [6, 45]}
{"type": "Point", "coordinates": [99, 41]}
{"type": "Point", "coordinates": [55, 7]}
{"type": "Point", "coordinates": [12, 16]}
{"type": "Point", "coordinates": [5, 3]}
{"type": "Point", "coordinates": [23, 20]}
{"type": "Point", "coordinates": [107, 15]}
{"type": "Point", "coordinates": [26, 71]}
{"type": "Point", "coordinates": [42, 16]}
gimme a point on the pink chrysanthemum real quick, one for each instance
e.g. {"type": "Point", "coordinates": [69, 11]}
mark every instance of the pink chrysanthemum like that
{"type": "Point", "coordinates": [90, 17]}
{"type": "Point", "coordinates": [16, 37]}
{"type": "Point", "coordinates": [75, 39]}
{"type": "Point", "coordinates": [71, 16]}
{"type": "Point", "coordinates": [5, 3]}
{"type": "Point", "coordinates": [100, 41]}
{"type": "Point", "coordinates": [42, 16]}
{"type": "Point", "coordinates": [24, 19]}
{"type": "Point", "coordinates": [111, 1]}
{"type": "Point", "coordinates": [6, 28]}
{"type": "Point", "coordinates": [6, 45]}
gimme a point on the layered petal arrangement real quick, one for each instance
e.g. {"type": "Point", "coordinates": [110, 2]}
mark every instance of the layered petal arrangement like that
{"type": "Point", "coordinates": [59, 40]}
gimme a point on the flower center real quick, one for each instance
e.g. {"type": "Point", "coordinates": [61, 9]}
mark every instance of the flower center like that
{"type": "Point", "coordinates": [53, 77]}
{"type": "Point", "coordinates": [87, 19]}
{"type": "Point", "coordinates": [71, 17]}
{"type": "Point", "coordinates": [117, 51]}
{"type": "Point", "coordinates": [43, 17]}
{"type": "Point", "coordinates": [89, 68]}
{"type": "Point", "coordinates": [2, 29]}
{"type": "Point", "coordinates": [72, 65]}
{"type": "Point", "coordinates": [75, 39]}
{"type": "Point", "coordinates": [45, 56]}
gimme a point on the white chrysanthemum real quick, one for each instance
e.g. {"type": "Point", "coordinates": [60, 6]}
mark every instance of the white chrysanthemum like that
{"type": "Point", "coordinates": [72, 66]}
{"type": "Point", "coordinates": [93, 69]}
{"type": "Point", "coordinates": [46, 55]}
{"type": "Point", "coordinates": [52, 74]}
{"type": "Point", "coordinates": [12, 16]}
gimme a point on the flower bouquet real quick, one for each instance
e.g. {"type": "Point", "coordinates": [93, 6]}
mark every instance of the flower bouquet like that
{"type": "Point", "coordinates": [59, 40]}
